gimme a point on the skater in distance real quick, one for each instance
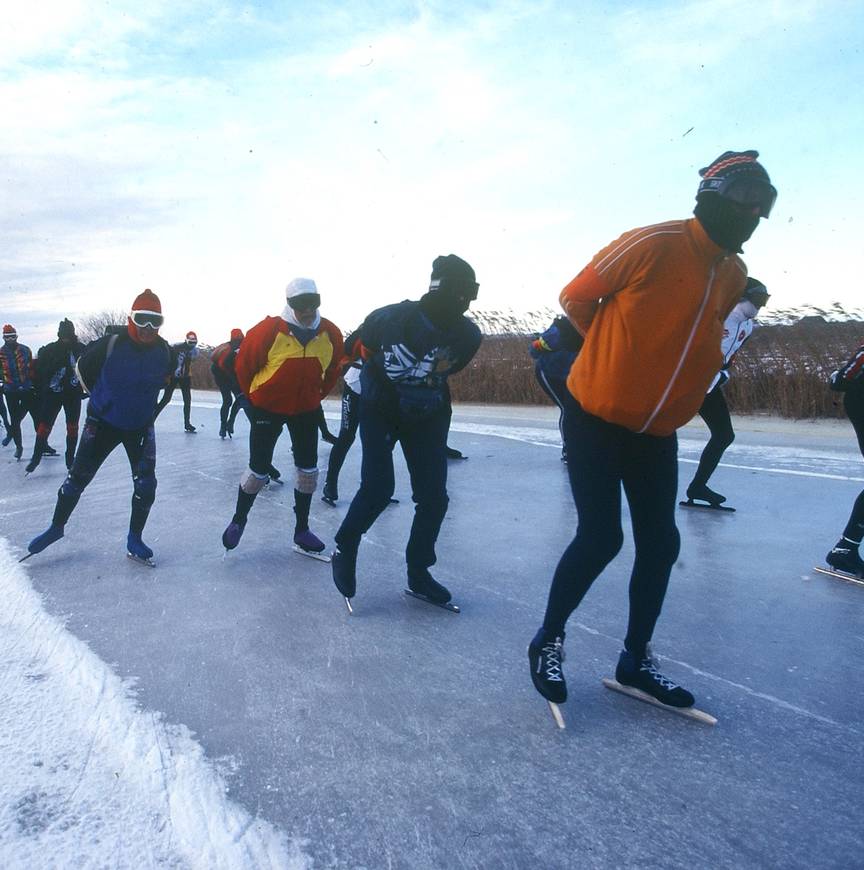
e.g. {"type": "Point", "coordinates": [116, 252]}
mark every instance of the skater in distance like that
{"type": "Point", "coordinates": [17, 374]}
{"type": "Point", "coordinates": [285, 366]}
{"type": "Point", "coordinates": [621, 415]}
{"type": "Point", "coordinates": [714, 411]}
{"type": "Point", "coordinates": [182, 355]}
{"type": "Point", "coordinates": [410, 350]}
{"type": "Point", "coordinates": [58, 387]}
{"type": "Point", "coordinates": [123, 374]}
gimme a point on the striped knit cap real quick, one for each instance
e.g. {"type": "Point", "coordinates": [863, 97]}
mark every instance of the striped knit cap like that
{"type": "Point", "coordinates": [731, 164]}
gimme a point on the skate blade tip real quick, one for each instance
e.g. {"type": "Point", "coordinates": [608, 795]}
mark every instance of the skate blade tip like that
{"type": "Point", "coordinates": [555, 710]}
{"type": "Point", "coordinates": [348, 605]}
{"type": "Point", "coordinates": [25, 558]}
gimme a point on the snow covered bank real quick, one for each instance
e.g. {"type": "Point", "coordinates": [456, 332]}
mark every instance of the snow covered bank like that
{"type": "Point", "coordinates": [89, 780]}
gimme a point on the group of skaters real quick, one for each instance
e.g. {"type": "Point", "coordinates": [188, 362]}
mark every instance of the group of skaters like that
{"type": "Point", "coordinates": [649, 328]}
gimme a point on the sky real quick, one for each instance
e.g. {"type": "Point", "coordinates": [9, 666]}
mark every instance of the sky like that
{"type": "Point", "coordinates": [212, 151]}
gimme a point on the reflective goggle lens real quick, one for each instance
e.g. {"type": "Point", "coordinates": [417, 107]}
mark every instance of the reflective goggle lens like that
{"type": "Point", "coordinates": [147, 318]}
{"type": "Point", "coordinates": [305, 302]}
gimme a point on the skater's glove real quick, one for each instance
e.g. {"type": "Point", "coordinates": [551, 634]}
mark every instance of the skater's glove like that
{"type": "Point", "coordinates": [837, 382]}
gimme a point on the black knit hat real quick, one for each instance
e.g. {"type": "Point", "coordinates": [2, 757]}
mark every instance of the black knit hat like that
{"type": "Point", "coordinates": [756, 292]}
{"type": "Point", "coordinates": [451, 273]}
{"type": "Point", "coordinates": [66, 329]}
{"type": "Point", "coordinates": [738, 176]}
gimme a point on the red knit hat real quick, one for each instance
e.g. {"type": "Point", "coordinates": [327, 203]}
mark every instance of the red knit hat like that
{"type": "Point", "coordinates": [9, 331]}
{"type": "Point", "coordinates": [237, 334]}
{"type": "Point", "coordinates": [147, 301]}
{"type": "Point", "coordinates": [191, 337]}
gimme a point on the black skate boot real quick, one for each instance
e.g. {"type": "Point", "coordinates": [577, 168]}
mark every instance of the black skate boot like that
{"type": "Point", "coordinates": [49, 536]}
{"type": "Point", "coordinates": [422, 583]}
{"type": "Point", "coordinates": [642, 674]}
{"type": "Point", "coordinates": [232, 534]}
{"type": "Point", "coordinates": [48, 450]}
{"type": "Point", "coordinates": [545, 654]}
{"type": "Point", "coordinates": [844, 557]}
{"type": "Point", "coordinates": [189, 427]}
{"type": "Point", "coordinates": [138, 551]}
{"type": "Point", "coordinates": [330, 495]}
{"type": "Point", "coordinates": [344, 566]}
{"type": "Point", "coordinates": [700, 492]}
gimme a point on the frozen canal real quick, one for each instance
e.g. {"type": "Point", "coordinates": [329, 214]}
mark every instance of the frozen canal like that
{"type": "Point", "coordinates": [270, 728]}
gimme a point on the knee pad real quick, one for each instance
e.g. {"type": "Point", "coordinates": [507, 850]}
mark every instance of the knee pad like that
{"type": "Point", "coordinates": [71, 430]}
{"type": "Point", "coordinates": [43, 430]}
{"type": "Point", "coordinates": [307, 480]}
{"type": "Point", "coordinates": [145, 489]}
{"type": "Point", "coordinates": [252, 483]}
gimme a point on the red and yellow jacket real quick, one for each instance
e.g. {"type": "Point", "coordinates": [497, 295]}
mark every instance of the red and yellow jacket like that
{"type": "Point", "coordinates": [280, 375]}
{"type": "Point", "coordinates": [651, 307]}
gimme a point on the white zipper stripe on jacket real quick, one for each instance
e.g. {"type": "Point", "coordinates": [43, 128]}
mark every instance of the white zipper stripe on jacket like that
{"type": "Point", "coordinates": [620, 251]}
{"type": "Point", "coordinates": [686, 349]}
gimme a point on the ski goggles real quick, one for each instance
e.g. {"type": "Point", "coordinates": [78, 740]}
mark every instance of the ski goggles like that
{"type": "Point", "coordinates": [144, 319]}
{"type": "Point", "coordinates": [305, 302]}
{"type": "Point", "coordinates": [743, 191]}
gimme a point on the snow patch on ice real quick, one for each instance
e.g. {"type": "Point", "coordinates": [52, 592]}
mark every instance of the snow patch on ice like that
{"type": "Point", "coordinates": [88, 779]}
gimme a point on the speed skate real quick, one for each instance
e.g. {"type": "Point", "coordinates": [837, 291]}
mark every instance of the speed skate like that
{"type": "Point", "coordinates": [312, 554]}
{"type": "Point", "coordinates": [687, 712]}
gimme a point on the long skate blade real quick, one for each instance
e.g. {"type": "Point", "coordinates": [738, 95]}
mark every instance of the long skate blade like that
{"type": "Point", "coordinates": [321, 557]}
{"type": "Point", "coordinates": [348, 605]}
{"type": "Point", "coordinates": [148, 562]}
{"type": "Point", "coordinates": [555, 710]}
{"type": "Point", "coordinates": [25, 558]}
{"type": "Point", "coordinates": [840, 575]}
{"type": "Point", "coordinates": [453, 608]}
{"type": "Point", "coordinates": [639, 695]}
{"type": "Point", "coordinates": [706, 507]}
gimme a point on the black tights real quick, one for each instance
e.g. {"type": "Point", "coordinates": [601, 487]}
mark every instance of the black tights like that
{"type": "Point", "coordinates": [853, 402]}
{"type": "Point", "coordinates": [603, 457]}
{"type": "Point", "coordinates": [715, 413]}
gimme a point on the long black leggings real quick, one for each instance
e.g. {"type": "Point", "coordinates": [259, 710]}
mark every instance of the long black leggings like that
{"type": "Point", "coordinates": [21, 403]}
{"type": "Point", "coordinates": [715, 413]}
{"type": "Point", "coordinates": [185, 385]}
{"type": "Point", "coordinates": [602, 457]}
{"type": "Point", "coordinates": [97, 441]}
{"type": "Point", "coordinates": [853, 403]}
{"type": "Point", "coordinates": [347, 434]}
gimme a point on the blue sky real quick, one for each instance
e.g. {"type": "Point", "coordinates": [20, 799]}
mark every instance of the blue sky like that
{"type": "Point", "coordinates": [213, 151]}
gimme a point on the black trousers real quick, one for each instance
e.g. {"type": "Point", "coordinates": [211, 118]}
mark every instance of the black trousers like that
{"type": "Point", "coordinates": [185, 385]}
{"type": "Point", "coordinates": [49, 407]}
{"type": "Point", "coordinates": [232, 399]}
{"type": "Point", "coordinates": [603, 457]}
{"type": "Point", "coordinates": [424, 447]}
{"type": "Point", "coordinates": [347, 433]}
{"type": "Point", "coordinates": [21, 403]}
{"type": "Point", "coordinates": [98, 440]}
{"type": "Point", "coordinates": [715, 413]}
{"type": "Point", "coordinates": [556, 389]}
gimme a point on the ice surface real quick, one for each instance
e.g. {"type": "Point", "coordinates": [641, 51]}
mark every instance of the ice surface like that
{"type": "Point", "coordinates": [405, 736]}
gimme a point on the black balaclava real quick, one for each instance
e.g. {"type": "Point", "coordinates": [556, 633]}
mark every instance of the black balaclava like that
{"type": "Point", "coordinates": [731, 187]}
{"type": "Point", "coordinates": [66, 329]}
{"type": "Point", "coordinates": [452, 288]}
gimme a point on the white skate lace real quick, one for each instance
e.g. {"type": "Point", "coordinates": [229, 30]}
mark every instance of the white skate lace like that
{"type": "Point", "coordinates": [553, 653]}
{"type": "Point", "coordinates": [649, 666]}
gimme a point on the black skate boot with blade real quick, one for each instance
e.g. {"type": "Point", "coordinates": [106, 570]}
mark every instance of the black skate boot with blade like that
{"type": "Point", "coordinates": [545, 654]}
{"type": "Point", "coordinates": [844, 557]}
{"type": "Point", "coordinates": [344, 567]}
{"type": "Point", "coordinates": [702, 493]}
{"type": "Point", "coordinates": [642, 674]}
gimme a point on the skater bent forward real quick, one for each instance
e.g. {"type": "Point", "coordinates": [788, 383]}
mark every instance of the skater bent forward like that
{"type": "Point", "coordinates": [123, 375]}
{"type": "Point", "coordinates": [651, 307]}
{"type": "Point", "coordinates": [285, 366]}
{"type": "Point", "coordinates": [410, 350]}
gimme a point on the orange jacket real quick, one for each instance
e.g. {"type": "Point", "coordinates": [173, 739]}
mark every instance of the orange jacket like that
{"type": "Point", "coordinates": [280, 375]}
{"type": "Point", "coordinates": [651, 307]}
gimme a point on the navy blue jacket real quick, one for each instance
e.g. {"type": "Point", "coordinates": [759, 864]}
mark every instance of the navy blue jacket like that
{"type": "Point", "coordinates": [124, 379]}
{"type": "Point", "coordinates": [408, 360]}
